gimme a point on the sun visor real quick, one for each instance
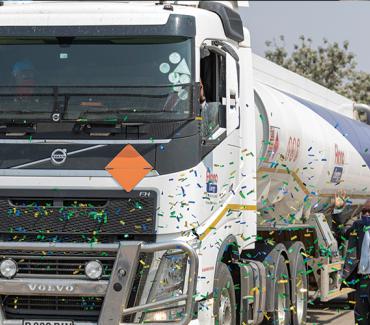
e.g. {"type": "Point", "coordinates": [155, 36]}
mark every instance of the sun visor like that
{"type": "Point", "coordinates": [177, 25]}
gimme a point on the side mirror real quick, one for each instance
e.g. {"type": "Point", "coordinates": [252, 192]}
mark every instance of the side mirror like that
{"type": "Point", "coordinates": [222, 116]}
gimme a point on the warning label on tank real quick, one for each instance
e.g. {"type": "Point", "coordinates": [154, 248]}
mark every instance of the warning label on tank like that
{"type": "Point", "coordinates": [337, 174]}
{"type": "Point", "coordinates": [274, 143]}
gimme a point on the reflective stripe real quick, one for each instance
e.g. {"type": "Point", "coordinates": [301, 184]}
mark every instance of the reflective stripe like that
{"type": "Point", "coordinates": [229, 207]}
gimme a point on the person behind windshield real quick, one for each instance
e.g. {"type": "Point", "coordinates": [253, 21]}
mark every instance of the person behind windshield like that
{"type": "Point", "coordinates": [202, 97]}
{"type": "Point", "coordinates": [23, 73]}
{"type": "Point", "coordinates": [204, 111]}
{"type": "Point", "coordinates": [209, 112]}
{"type": "Point", "coordinates": [356, 270]}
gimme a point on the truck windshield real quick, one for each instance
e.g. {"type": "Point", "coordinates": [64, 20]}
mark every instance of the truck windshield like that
{"type": "Point", "coordinates": [146, 79]}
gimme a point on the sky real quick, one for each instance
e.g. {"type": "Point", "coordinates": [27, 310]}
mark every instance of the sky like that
{"type": "Point", "coordinates": [334, 20]}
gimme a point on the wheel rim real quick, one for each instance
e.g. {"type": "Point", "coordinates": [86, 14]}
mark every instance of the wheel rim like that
{"type": "Point", "coordinates": [282, 305]}
{"type": "Point", "coordinates": [301, 297]}
{"type": "Point", "coordinates": [225, 312]}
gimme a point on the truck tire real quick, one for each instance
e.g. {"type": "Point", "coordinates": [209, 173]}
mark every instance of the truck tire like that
{"type": "Point", "coordinates": [224, 306]}
{"type": "Point", "coordinates": [281, 313]}
{"type": "Point", "coordinates": [299, 284]}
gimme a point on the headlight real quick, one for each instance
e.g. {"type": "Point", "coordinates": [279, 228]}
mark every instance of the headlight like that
{"type": "Point", "coordinates": [170, 277]}
{"type": "Point", "coordinates": [169, 282]}
{"type": "Point", "coordinates": [8, 268]}
{"type": "Point", "coordinates": [94, 270]}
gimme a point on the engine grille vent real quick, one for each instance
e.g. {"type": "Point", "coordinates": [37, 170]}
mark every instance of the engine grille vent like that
{"type": "Point", "coordinates": [52, 307]}
{"type": "Point", "coordinates": [67, 307]}
{"type": "Point", "coordinates": [81, 220]}
{"type": "Point", "coordinates": [60, 265]}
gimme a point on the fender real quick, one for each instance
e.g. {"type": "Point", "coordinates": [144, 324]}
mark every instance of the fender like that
{"type": "Point", "coordinates": [233, 265]}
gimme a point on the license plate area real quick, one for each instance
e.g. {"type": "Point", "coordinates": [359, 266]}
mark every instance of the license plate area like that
{"type": "Point", "coordinates": [47, 322]}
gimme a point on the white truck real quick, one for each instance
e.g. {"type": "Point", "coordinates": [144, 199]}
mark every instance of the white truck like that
{"type": "Point", "coordinates": [124, 200]}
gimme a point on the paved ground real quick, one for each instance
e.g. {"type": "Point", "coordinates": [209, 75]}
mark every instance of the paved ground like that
{"type": "Point", "coordinates": [337, 313]}
{"type": "Point", "coordinates": [330, 316]}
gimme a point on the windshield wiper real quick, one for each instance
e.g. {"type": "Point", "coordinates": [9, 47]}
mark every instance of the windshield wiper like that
{"type": "Point", "coordinates": [98, 129]}
{"type": "Point", "coordinates": [19, 115]}
{"type": "Point", "coordinates": [22, 112]}
{"type": "Point", "coordinates": [62, 97]}
{"type": "Point", "coordinates": [13, 129]}
{"type": "Point", "coordinates": [105, 127]}
{"type": "Point", "coordinates": [117, 115]}
{"type": "Point", "coordinates": [120, 112]}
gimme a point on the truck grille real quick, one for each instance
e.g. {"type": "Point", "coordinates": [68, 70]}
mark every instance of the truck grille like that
{"type": "Point", "coordinates": [71, 219]}
{"type": "Point", "coordinates": [66, 307]}
{"type": "Point", "coordinates": [33, 307]}
{"type": "Point", "coordinates": [59, 266]}
{"type": "Point", "coordinates": [79, 217]}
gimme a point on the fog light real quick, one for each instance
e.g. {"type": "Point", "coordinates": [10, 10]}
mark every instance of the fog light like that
{"type": "Point", "coordinates": [158, 316]}
{"type": "Point", "coordinates": [167, 315]}
{"type": "Point", "coordinates": [8, 268]}
{"type": "Point", "coordinates": [94, 270]}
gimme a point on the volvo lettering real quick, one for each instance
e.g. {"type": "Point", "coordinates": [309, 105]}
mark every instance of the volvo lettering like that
{"type": "Point", "coordinates": [50, 288]}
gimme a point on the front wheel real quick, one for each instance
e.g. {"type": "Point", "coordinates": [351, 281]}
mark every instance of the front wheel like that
{"type": "Point", "coordinates": [224, 307]}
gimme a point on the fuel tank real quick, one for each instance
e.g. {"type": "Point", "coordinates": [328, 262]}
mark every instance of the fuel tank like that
{"type": "Point", "coordinates": [307, 154]}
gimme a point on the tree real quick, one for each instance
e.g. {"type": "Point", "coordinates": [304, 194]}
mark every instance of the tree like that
{"type": "Point", "coordinates": [358, 88]}
{"type": "Point", "coordinates": [331, 65]}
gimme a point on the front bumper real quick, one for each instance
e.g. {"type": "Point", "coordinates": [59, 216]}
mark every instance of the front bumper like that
{"type": "Point", "coordinates": [116, 291]}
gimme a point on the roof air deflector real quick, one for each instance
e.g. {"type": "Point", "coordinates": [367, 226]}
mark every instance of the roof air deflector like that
{"type": "Point", "coordinates": [231, 21]}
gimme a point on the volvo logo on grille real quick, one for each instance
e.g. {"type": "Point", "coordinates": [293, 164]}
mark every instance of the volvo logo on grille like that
{"type": "Point", "coordinates": [50, 288]}
{"type": "Point", "coordinates": [59, 156]}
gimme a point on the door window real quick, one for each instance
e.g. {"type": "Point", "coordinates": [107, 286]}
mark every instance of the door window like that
{"type": "Point", "coordinates": [213, 78]}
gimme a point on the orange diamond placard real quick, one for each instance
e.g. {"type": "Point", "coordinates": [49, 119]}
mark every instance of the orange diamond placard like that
{"type": "Point", "coordinates": [128, 168]}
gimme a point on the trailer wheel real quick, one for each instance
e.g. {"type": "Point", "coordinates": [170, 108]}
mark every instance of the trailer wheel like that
{"type": "Point", "coordinates": [299, 288]}
{"type": "Point", "coordinates": [281, 314]}
{"type": "Point", "coordinates": [224, 308]}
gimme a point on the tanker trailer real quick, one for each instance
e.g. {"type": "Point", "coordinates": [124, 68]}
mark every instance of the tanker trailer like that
{"type": "Point", "coordinates": [306, 155]}
{"type": "Point", "coordinates": [306, 150]}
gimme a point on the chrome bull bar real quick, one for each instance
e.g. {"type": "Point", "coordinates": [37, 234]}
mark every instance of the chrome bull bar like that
{"type": "Point", "coordinates": [116, 291]}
